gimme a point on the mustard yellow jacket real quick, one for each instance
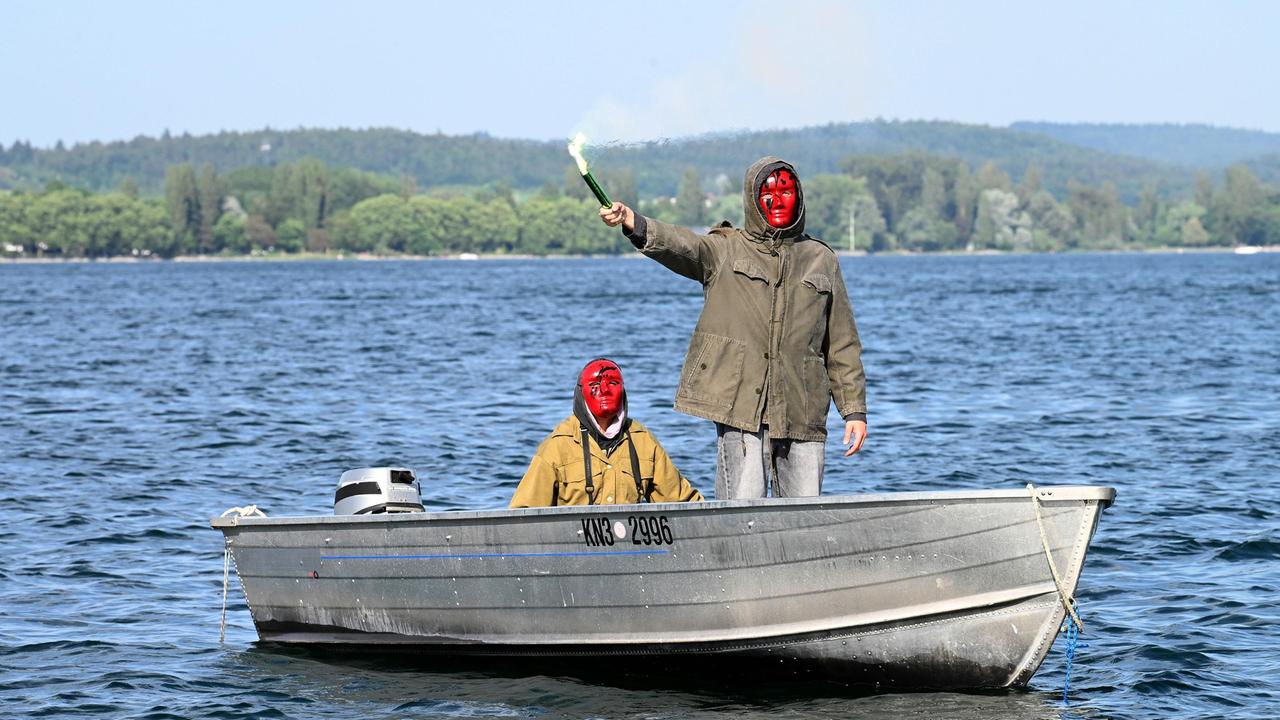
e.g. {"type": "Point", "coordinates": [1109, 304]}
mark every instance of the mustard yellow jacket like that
{"type": "Point", "coordinates": [556, 476]}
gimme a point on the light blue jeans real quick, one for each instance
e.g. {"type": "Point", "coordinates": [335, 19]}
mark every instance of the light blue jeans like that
{"type": "Point", "coordinates": [747, 463]}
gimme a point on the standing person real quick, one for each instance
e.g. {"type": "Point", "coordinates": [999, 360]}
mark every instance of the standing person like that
{"type": "Point", "coordinates": [775, 343]}
{"type": "Point", "coordinates": [599, 455]}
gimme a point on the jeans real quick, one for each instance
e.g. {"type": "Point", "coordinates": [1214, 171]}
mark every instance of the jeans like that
{"type": "Point", "coordinates": [745, 461]}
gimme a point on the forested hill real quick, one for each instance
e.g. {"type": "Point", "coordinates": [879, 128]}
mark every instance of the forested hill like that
{"type": "Point", "coordinates": [1201, 146]}
{"type": "Point", "coordinates": [883, 186]}
{"type": "Point", "coordinates": [828, 148]}
{"type": "Point", "coordinates": [469, 160]}
{"type": "Point", "coordinates": [431, 159]}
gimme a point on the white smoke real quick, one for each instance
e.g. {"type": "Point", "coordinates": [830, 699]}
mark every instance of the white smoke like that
{"type": "Point", "coordinates": [578, 142]}
{"type": "Point", "coordinates": [778, 65]}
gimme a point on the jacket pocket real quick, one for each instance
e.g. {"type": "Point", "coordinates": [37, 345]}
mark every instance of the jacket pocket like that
{"type": "Point", "coordinates": [820, 283]}
{"type": "Point", "coordinates": [712, 369]}
{"type": "Point", "coordinates": [748, 268]}
{"type": "Point", "coordinates": [811, 308]}
{"type": "Point", "coordinates": [571, 487]}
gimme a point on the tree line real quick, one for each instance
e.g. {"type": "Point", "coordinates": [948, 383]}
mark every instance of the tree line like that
{"type": "Point", "coordinates": [929, 203]}
{"type": "Point", "coordinates": [907, 202]}
{"type": "Point", "coordinates": [437, 160]}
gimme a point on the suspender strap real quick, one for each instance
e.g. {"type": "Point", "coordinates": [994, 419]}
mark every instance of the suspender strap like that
{"type": "Point", "coordinates": [586, 462]}
{"type": "Point", "coordinates": [641, 492]}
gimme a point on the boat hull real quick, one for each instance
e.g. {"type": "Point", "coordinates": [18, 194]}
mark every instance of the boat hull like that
{"type": "Point", "coordinates": [947, 590]}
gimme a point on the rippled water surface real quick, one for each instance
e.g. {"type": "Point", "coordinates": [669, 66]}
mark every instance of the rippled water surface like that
{"type": "Point", "coordinates": [138, 400]}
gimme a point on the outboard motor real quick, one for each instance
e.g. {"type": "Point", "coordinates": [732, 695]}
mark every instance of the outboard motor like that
{"type": "Point", "coordinates": [377, 490]}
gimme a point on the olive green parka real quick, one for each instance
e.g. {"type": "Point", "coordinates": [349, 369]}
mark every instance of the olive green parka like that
{"type": "Point", "coordinates": [776, 341]}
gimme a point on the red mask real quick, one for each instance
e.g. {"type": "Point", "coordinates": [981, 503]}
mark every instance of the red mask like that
{"type": "Point", "coordinates": [778, 197]}
{"type": "Point", "coordinates": [601, 384]}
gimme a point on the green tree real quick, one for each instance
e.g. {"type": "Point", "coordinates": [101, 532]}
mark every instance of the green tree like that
{"type": "Point", "coordinates": [1031, 181]}
{"type": "Point", "coordinates": [991, 177]}
{"type": "Point", "coordinates": [495, 227]}
{"type": "Point", "coordinates": [210, 199]}
{"type": "Point", "coordinates": [282, 199]}
{"type": "Point", "coordinates": [500, 190]}
{"type": "Point", "coordinates": [918, 230]}
{"type": "Point", "coordinates": [182, 199]}
{"type": "Point", "coordinates": [1146, 216]}
{"type": "Point", "coordinates": [1100, 218]}
{"type": "Point", "coordinates": [833, 202]}
{"type": "Point", "coordinates": [690, 200]}
{"type": "Point", "coordinates": [1002, 224]}
{"type": "Point", "coordinates": [549, 191]}
{"type": "Point", "coordinates": [310, 193]}
{"type": "Point", "coordinates": [152, 230]}
{"type": "Point", "coordinates": [1204, 190]}
{"type": "Point", "coordinates": [229, 235]}
{"type": "Point", "coordinates": [621, 186]}
{"type": "Point", "coordinates": [933, 194]}
{"type": "Point", "coordinates": [408, 186]}
{"type": "Point", "coordinates": [1181, 226]}
{"type": "Point", "coordinates": [1232, 214]}
{"type": "Point", "coordinates": [1051, 221]}
{"type": "Point", "coordinates": [291, 235]}
{"type": "Point", "coordinates": [14, 224]}
{"type": "Point", "coordinates": [1193, 234]}
{"type": "Point", "coordinates": [574, 186]}
{"type": "Point", "coordinates": [565, 225]}
{"type": "Point", "coordinates": [385, 223]}
{"type": "Point", "coordinates": [965, 196]}
{"type": "Point", "coordinates": [259, 233]}
{"type": "Point", "coordinates": [347, 186]}
{"type": "Point", "coordinates": [1264, 225]}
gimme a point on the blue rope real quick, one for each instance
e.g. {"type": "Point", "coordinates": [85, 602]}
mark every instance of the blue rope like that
{"type": "Point", "coordinates": [1073, 642]}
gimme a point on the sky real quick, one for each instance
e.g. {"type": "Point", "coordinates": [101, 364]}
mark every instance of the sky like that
{"type": "Point", "coordinates": [84, 71]}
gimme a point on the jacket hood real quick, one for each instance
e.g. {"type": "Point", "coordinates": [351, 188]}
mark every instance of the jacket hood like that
{"type": "Point", "coordinates": [756, 227]}
{"type": "Point", "coordinates": [584, 417]}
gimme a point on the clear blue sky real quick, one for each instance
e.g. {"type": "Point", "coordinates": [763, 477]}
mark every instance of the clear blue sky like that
{"type": "Point", "coordinates": [80, 71]}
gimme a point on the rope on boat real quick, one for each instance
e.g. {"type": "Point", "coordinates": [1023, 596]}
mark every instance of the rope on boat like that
{"type": "Point", "coordinates": [1068, 602]}
{"type": "Point", "coordinates": [1073, 642]}
{"type": "Point", "coordinates": [1072, 625]}
{"type": "Point", "coordinates": [226, 574]}
{"type": "Point", "coordinates": [246, 511]}
{"type": "Point", "coordinates": [236, 513]}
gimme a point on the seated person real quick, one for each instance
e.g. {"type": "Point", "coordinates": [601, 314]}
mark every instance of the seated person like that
{"type": "Point", "coordinates": [599, 455]}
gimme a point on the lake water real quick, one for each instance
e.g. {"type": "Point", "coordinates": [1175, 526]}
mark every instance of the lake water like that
{"type": "Point", "coordinates": [137, 400]}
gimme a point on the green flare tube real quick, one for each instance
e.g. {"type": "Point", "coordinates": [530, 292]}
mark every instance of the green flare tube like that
{"type": "Point", "coordinates": [595, 188]}
{"type": "Point", "coordinates": [575, 149]}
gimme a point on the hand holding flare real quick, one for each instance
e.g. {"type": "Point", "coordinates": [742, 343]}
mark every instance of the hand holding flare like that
{"type": "Point", "coordinates": [575, 149]}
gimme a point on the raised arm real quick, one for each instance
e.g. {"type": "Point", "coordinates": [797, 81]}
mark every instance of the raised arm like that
{"type": "Point", "coordinates": [679, 249]}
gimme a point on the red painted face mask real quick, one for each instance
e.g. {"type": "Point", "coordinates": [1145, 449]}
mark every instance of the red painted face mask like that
{"type": "Point", "coordinates": [601, 384]}
{"type": "Point", "coordinates": [778, 198]}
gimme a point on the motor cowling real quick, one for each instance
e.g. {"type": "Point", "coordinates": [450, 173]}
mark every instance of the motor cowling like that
{"type": "Point", "coordinates": [369, 491]}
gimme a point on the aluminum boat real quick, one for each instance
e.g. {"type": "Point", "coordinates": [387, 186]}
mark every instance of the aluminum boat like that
{"type": "Point", "coordinates": [898, 590]}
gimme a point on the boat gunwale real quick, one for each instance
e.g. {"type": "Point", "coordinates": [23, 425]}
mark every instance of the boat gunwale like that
{"type": "Point", "coordinates": [1104, 495]}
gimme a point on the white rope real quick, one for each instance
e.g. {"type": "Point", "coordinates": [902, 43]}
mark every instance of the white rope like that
{"type": "Point", "coordinates": [1068, 602]}
{"type": "Point", "coordinates": [237, 513]}
{"type": "Point", "coordinates": [246, 511]}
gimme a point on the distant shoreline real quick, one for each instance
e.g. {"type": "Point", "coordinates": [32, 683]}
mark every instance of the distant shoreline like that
{"type": "Point", "coordinates": [467, 257]}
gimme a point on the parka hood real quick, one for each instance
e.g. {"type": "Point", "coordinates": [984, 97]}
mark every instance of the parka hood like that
{"type": "Point", "coordinates": [756, 227]}
{"type": "Point", "coordinates": [583, 414]}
